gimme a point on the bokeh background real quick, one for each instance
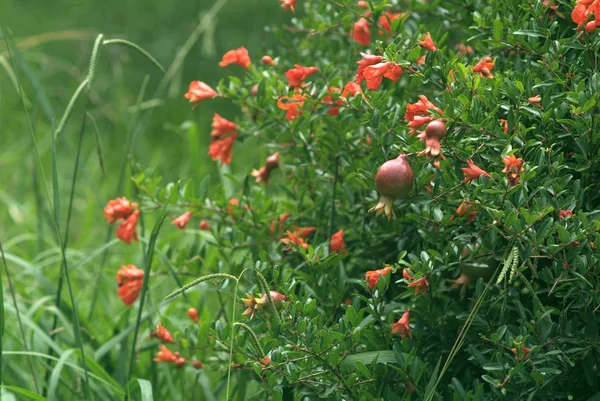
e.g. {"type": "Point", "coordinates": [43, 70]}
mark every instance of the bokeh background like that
{"type": "Point", "coordinates": [53, 41]}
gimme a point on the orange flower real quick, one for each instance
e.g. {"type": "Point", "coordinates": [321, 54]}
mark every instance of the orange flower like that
{"type": "Point", "coordinates": [193, 314]}
{"type": "Point", "coordinates": [406, 274]}
{"type": "Point", "coordinates": [513, 167]}
{"type": "Point", "coordinates": [293, 106]}
{"type": "Point", "coordinates": [583, 9]}
{"type": "Point", "coordinates": [130, 280]}
{"type": "Point", "coordinates": [293, 238]}
{"type": "Point", "coordinates": [375, 73]}
{"type": "Point", "coordinates": [199, 91]}
{"type": "Point", "coordinates": [427, 43]}
{"type": "Point", "coordinates": [535, 99]}
{"type": "Point", "coordinates": [473, 172]}
{"type": "Point", "coordinates": [352, 89]}
{"type": "Point", "coordinates": [402, 326]}
{"type": "Point", "coordinates": [162, 334]}
{"type": "Point", "coordinates": [265, 361]}
{"type": "Point", "coordinates": [298, 74]}
{"type": "Point", "coordinates": [182, 220]}
{"type": "Point", "coordinates": [421, 60]}
{"type": "Point", "coordinates": [204, 225]}
{"type": "Point", "coordinates": [165, 355]}
{"type": "Point", "coordinates": [118, 209]}
{"type": "Point", "coordinates": [221, 127]}
{"type": "Point", "coordinates": [372, 276]}
{"type": "Point", "coordinates": [237, 56]}
{"type": "Point", "coordinates": [288, 4]}
{"type": "Point", "coordinates": [419, 285]}
{"type": "Point", "coordinates": [563, 214]}
{"type": "Point", "coordinates": [422, 107]}
{"type": "Point", "coordinates": [337, 242]}
{"type": "Point", "coordinates": [221, 149]}
{"type": "Point", "coordinates": [504, 123]}
{"type": "Point", "coordinates": [306, 231]}
{"type": "Point", "coordinates": [484, 67]}
{"type": "Point", "coordinates": [463, 208]}
{"type": "Point", "coordinates": [386, 19]}
{"type": "Point", "coordinates": [368, 59]}
{"type": "Point", "coordinates": [418, 122]}
{"type": "Point", "coordinates": [361, 32]}
{"type": "Point", "coordinates": [267, 60]}
{"type": "Point", "coordinates": [127, 229]}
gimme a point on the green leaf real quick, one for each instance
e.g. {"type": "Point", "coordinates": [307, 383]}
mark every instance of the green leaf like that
{"type": "Point", "coordinates": [26, 393]}
{"type": "Point", "coordinates": [498, 28]}
{"type": "Point", "coordinates": [145, 389]}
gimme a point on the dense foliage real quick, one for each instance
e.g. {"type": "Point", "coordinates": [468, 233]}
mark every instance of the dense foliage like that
{"type": "Point", "coordinates": [466, 268]}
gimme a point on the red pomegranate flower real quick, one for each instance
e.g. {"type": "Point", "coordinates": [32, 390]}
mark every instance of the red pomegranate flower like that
{"type": "Point", "coordinates": [419, 285]}
{"type": "Point", "coordinates": [293, 106]}
{"type": "Point", "coordinates": [127, 230]}
{"type": "Point", "coordinates": [161, 333]}
{"type": "Point", "coordinates": [513, 167]}
{"type": "Point", "coordinates": [198, 92]}
{"type": "Point", "coordinates": [368, 59]}
{"type": "Point", "coordinates": [473, 172]}
{"type": "Point", "coordinates": [221, 127]}
{"type": "Point", "coordinates": [130, 280]}
{"type": "Point", "coordinates": [337, 242]}
{"type": "Point", "coordinates": [165, 355]}
{"type": "Point", "coordinates": [402, 326]}
{"type": "Point", "coordinates": [563, 214]}
{"type": "Point", "coordinates": [361, 32]}
{"type": "Point", "coordinates": [421, 108]}
{"type": "Point", "coordinates": [237, 56]}
{"type": "Point", "coordinates": [182, 220]}
{"type": "Point", "coordinates": [484, 67]}
{"type": "Point", "coordinates": [504, 124]}
{"type": "Point", "coordinates": [221, 149]}
{"type": "Point", "coordinates": [288, 4]}
{"type": "Point", "coordinates": [427, 43]}
{"type": "Point", "coordinates": [375, 73]}
{"type": "Point", "coordinates": [293, 238]}
{"type": "Point", "coordinates": [118, 209]}
{"type": "Point", "coordinates": [386, 19]}
{"type": "Point", "coordinates": [372, 276]}
{"type": "Point", "coordinates": [298, 74]}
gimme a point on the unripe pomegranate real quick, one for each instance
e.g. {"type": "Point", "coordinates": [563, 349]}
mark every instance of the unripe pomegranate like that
{"type": "Point", "coordinates": [394, 180]}
{"type": "Point", "coordinates": [436, 129]}
{"type": "Point", "coordinates": [433, 134]}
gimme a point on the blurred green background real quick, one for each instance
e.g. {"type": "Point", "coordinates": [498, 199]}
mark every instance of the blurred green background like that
{"type": "Point", "coordinates": [54, 41]}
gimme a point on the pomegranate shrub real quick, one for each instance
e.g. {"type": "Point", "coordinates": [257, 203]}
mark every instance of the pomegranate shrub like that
{"type": "Point", "coordinates": [473, 123]}
{"type": "Point", "coordinates": [474, 126]}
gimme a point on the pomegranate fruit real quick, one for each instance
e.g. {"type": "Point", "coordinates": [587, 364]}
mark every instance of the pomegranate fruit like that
{"type": "Point", "coordinates": [433, 134]}
{"type": "Point", "coordinates": [394, 180]}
